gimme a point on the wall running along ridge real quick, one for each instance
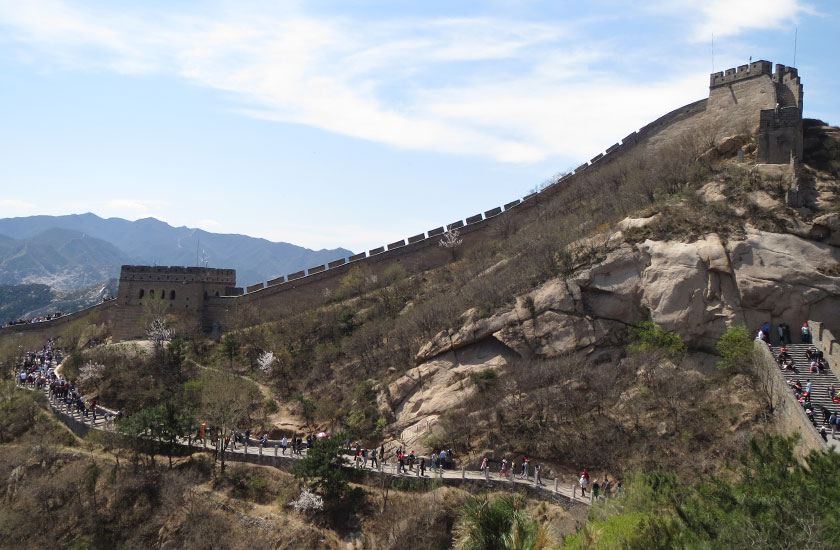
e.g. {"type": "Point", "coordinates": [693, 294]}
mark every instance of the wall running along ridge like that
{"type": "Point", "coordinates": [747, 99]}
{"type": "Point", "coordinates": [788, 414]}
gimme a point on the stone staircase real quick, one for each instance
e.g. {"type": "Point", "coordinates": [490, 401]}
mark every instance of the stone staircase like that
{"type": "Point", "coordinates": [820, 382]}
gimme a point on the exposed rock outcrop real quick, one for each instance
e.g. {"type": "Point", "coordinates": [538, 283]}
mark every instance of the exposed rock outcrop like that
{"type": "Point", "coordinates": [697, 289]}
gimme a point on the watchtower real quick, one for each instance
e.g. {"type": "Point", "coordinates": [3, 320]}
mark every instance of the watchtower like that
{"type": "Point", "coordinates": [174, 290]}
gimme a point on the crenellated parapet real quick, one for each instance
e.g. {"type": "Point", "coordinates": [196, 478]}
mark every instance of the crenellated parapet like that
{"type": "Point", "coordinates": [747, 99]}
{"type": "Point", "coordinates": [177, 274]}
{"type": "Point", "coordinates": [742, 72]}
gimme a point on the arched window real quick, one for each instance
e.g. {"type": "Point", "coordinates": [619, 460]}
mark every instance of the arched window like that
{"type": "Point", "coordinates": [152, 293]}
{"type": "Point", "coordinates": [171, 294]}
{"type": "Point", "coordinates": [205, 294]}
{"type": "Point", "coordinates": [141, 293]}
{"type": "Point", "coordinates": [217, 294]}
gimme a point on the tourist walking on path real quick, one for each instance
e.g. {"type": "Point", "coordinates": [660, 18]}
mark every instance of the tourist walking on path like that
{"type": "Point", "coordinates": [483, 468]}
{"type": "Point", "coordinates": [538, 474]}
{"type": "Point", "coordinates": [584, 482]}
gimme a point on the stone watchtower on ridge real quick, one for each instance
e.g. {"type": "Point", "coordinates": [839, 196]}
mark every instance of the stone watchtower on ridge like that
{"type": "Point", "coordinates": [770, 100]}
{"type": "Point", "coordinates": [157, 290]}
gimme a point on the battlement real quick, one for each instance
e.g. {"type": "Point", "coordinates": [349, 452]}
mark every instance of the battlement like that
{"type": "Point", "coordinates": [771, 106]}
{"type": "Point", "coordinates": [784, 74]}
{"type": "Point", "coordinates": [743, 72]}
{"type": "Point", "coordinates": [178, 274]}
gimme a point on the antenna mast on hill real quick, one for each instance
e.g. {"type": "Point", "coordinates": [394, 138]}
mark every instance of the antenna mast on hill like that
{"type": "Point", "coordinates": [713, 52]}
{"type": "Point", "coordinates": [197, 242]}
{"type": "Point", "coordinates": [795, 36]}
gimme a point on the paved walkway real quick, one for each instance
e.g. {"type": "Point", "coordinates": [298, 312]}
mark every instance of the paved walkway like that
{"type": "Point", "coordinates": [271, 455]}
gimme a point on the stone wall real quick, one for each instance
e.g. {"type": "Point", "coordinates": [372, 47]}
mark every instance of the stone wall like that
{"type": "Point", "coordinates": [779, 135]}
{"type": "Point", "coordinates": [825, 340]}
{"type": "Point", "coordinates": [172, 291]}
{"type": "Point", "coordinates": [100, 313]}
{"type": "Point", "coordinates": [789, 416]}
{"type": "Point", "coordinates": [737, 98]}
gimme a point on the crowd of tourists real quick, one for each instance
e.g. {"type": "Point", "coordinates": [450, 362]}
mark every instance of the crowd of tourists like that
{"type": "Point", "coordinates": [823, 418]}
{"type": "Point", "coordinates": [606, 488]}
{"type": "Point", "coordinates": [30, 320]}
{"type": "Point", "coordinates": [783, 332]}
{"type": "Point", "coordinates": [37, 370]}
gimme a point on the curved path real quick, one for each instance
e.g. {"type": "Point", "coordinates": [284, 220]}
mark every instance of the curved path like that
{"type": "Point", "coordinates": [271, 455]}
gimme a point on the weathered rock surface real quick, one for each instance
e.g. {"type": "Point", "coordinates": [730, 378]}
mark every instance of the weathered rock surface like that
{"type": "Point", "coordinates": [697, 289]}
{"type": "Point", "coordinates": [425, 392]}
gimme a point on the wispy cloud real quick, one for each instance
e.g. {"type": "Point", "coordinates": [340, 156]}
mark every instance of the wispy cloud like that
{"type": "Point", "coordinates": [208, 224]}
{"type": "Point", "coordinates": [515, 91]}
{"type": "Point", "coordinates": [134, 205]}
{"type": "Point", "coordinates": [727, 18]}
{"type": "Point", "coordinates": [16, 204]}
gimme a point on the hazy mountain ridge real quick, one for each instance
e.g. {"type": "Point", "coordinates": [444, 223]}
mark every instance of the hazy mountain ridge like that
{"type": "Point", "coordinates": [72, 252]}
{"type": "Point", "coordinates": [63, 259]}
{"type": "Point", "coordinates": [36, 300]}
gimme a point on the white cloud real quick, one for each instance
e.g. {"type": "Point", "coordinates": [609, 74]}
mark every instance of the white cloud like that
{"type": "Point", "coordinates": [134, 205]}
{"type": "Point", "coordinates": [515, 91]}
{"type": "Point", "coordinates": [727, 18]}
{"type": "Point", "coordinates": [208, 224]}
{"type": "Point", "coordinates": [16, 204]}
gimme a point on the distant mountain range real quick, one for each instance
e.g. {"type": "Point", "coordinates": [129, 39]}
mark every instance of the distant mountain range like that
{"type": "Point", "coordinates": [75, 252]}
{"type": "Point", "coordinates": [36, 300]}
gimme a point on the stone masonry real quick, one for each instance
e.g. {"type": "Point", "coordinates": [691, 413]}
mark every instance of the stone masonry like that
{"type": "Point", "coordinates": [750, 99]}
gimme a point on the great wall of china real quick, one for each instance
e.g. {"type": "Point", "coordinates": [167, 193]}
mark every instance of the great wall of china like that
{"type": "Point", "coordinates": [750, 98]}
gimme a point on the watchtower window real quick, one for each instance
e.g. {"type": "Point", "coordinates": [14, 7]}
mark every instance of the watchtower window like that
{"type": "Point", "coordinates": [217, 294]}
{"type": "Point", "coordinates": [162, 294]}
{"type": "Point", "coordinates": [171, 294]}
{"type": "Point", "coordinates": [152, 293]}
{"type": "Point", "coordinates": [141, 293]}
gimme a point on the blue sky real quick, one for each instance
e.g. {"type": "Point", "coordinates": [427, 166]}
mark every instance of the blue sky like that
{"type": "Point", "coordinates": [327, 124]}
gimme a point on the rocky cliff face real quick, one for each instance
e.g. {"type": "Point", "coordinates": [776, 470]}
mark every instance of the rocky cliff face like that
{"type": "Point", "coordinates": [696, 288]}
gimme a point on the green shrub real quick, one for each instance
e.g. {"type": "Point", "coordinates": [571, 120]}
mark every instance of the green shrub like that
{"type": "Point", "coordinates": [735, 347]}
{"type": "Point", "coordinates": [485, 379]}
{"type": "Point", "coordinates": [270, 406]}
{"type": "Point", "coordinates": [647, 337]}
{"type": "Point", "coordinates": [258, 488]}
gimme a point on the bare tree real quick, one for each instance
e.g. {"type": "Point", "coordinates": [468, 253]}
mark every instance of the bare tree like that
{"type": "Point", "coordinates": [225, 399]}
